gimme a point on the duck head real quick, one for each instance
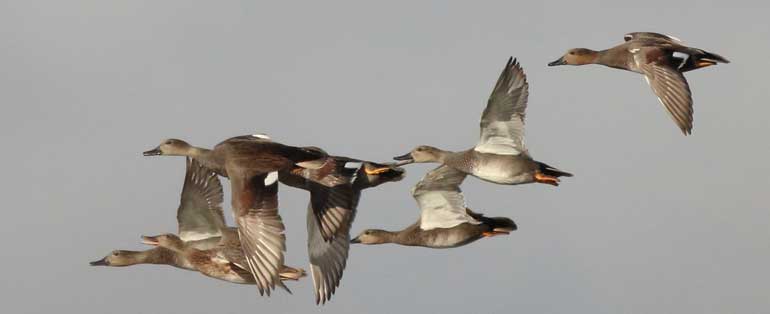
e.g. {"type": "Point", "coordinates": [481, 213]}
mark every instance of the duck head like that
{"type": "Point", "coordinates": [376, 173]}
{"type": "Point", "coordinates": [372, 236]}
{"type": "Point", "coordinates": [119, 258]}
{"type": "Point", "coordinates": [576, 56]}
{"type": "Point", "coordinates": [171, 147]}
{"type": "Point", "coordinates": [422, 153]}
{"type": "Point", "coordinates": [169, 241]}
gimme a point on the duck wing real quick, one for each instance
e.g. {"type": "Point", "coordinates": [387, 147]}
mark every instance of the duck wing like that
{"type": "Point", "coordinates": [200, 213]}
{"type": "Point", "coordinates": [327, 257]}
{"type": "Point", "coordinates": [502, 123]}
{"type": "Point", "coordinates": [260, 229]}
{"type": "Point", "coordinates": [441, 201]}
{"type": "Point", "coordinates": [331, 194]}
{"type": "Point", "coordinates": [673, 92]}
{"type": "Point", "coordinates": [650, 35]}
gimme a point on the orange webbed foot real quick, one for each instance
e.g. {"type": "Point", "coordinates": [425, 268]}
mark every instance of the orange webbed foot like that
{"type": "Point", "coordinates": [546, 179]}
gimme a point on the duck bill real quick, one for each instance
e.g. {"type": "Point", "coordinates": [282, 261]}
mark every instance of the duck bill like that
{"type": "Point", "coordinates": [404, 159]}
{"type": "Point", "coordinates": [355, 240]}
{"type": "Point", "coordinates": [153, 152]}
{"type": "Point", "coordinates": [559, 61]}
{"type": "Point", "coordinates": [101, 262]}
{"type": "Point", "coordinates": [150, 240]}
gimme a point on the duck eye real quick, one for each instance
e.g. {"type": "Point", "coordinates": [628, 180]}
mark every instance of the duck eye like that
{"type": "Point", "coordinates": [572, 52]}
{"type": "Point", "coordinates": [116, 253]}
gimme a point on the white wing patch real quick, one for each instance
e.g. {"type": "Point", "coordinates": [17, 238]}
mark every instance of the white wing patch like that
{"type": "Point", "coordinates": [271, 178]}
{"type": "Point", "coordinates": [187, 236]}
{"type": "Point", "coordinates": [353, 165]}
{"type": "Point", "coordinates": [436, 214]}
{"type": "Point", "coordinates": [261, 135]}
{"type": "Point", "coordinates": [440, 199]}
{"type": "Point", "coordinates": [500, 144]}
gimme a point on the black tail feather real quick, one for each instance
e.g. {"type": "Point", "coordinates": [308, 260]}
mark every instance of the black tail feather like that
{"type": "Point", "coordinates": [701, 59]}
{"type": "Point", "coordinates": [713, 57]}
{"type": "Point", "coordinates": [493, 222]}
{"type": "Point", "coordinates": [551, 171]}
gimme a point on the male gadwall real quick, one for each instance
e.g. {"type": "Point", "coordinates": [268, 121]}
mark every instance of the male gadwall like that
{"type": "Point", "coordinates": [251, 162]}
{"type": "Point", "coordinates": [444, 220]}
{"type": "Point", "coordinates": [661, 59]}
{"type": "Point", "coordinates": [201, 225]}
{"type": "Point", "coordinates": [335, 191]}
{"type": "Point", "coordinates": [500, 155]}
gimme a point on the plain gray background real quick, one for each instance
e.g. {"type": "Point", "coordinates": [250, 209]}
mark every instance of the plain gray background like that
{"type": "Point", "coordinates": [653, 222]}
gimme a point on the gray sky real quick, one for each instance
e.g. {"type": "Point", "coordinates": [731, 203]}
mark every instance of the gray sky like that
{"type": "Point", "coordinates": [653, 222]}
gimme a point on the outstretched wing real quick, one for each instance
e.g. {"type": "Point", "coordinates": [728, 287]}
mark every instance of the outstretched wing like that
{"type": "Point", "coordinates": [260, 228]}
{"type": "Point", "coordinates": [441, 201]}
{"type": "Point", "coordinates": [673, 92]}
{"type": "Point", "coordinates": [200, 207]}
{"type": "Point", "coordinates": [331, 194]}
{"type": "Point", "coordinates": [502, 123]}
{"type": "Point", "coordinates": [327, 258]}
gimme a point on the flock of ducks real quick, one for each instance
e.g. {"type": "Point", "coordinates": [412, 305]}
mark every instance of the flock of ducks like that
{"type": "Point", "coordinates": [253, 251]}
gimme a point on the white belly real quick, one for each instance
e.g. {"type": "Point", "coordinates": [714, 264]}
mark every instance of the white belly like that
{"type": "Point", "coordinates": [501, 176]}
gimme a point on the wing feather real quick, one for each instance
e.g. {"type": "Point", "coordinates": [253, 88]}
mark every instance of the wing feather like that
{"type": "Point", "coordinates": [441, 201]}
{"type": "Point", "coordinates": [200, 213]}
{"type": "Point", "coordinates": [673, 92]}
{"type": "Point", "coordinates": [502, 123]}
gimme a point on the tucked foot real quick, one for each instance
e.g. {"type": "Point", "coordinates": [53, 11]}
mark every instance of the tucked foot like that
{"type": "Point", "coordinates": [705, 63]}
{"type": "Point", "coordinates": [376, 170]}
{"type": "Point", "coordinates": [546, 179]}
{"type": "Point", "coordinates": [489, 234]}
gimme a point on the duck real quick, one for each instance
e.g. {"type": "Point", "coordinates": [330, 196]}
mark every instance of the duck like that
{"type": "Point", "coordinates": [251, 163]}
{"type": "Point", "coordinates": [662, 59]}
{"type": "Point", "coordinates": [445, 221]}
{"type": "Point", "coordinates": [500, 156]}
{"type": "Point", "coordinates": [225, 262]}
{"type": "Point", "coordinates": [201, 226]}
{"type": "Point", "coordinates": [335, 191]}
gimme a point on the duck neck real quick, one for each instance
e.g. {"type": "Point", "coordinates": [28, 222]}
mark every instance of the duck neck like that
{"type": "Point", "coordinates": [199, 153]}
{"type": "Point", "coordinates": [205, 157]}
{"type": "Point", "coordinates": [405, 237]}
{"type": "Point", "coordinates": [442, 155]}
{"type": "Point", "coordinates": [153, 256]}
{"type": "Point", "coordinates": [389, 237]}
{"type": "Point", "coordinates": [609, 58]}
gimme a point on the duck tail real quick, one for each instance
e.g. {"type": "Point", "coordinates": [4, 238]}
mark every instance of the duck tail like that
{"type": "Point", "coordinates": [551, 171]}
{"type": "Point", "coordinates": [702, 59]}
{"type": "Point", "coordinates": [498, 224]}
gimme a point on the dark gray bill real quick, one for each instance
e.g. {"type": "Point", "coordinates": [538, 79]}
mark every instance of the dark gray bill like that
{"type": "Point", "coordinates": [559, 61]}
{"type": "Point", "coordinates": [153, 152]}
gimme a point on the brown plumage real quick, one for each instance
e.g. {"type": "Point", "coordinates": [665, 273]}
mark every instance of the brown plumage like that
{"type": "Point", "coordinates": [661, 59]}
{"type": "Point", "coordinates": [335, 190]}
{"type": "Point", "coordinates": [205, 243]}
{"type": "Point", "coordinates": [444, 220]}
{"type": "Point", "coordinates": [248, 162]}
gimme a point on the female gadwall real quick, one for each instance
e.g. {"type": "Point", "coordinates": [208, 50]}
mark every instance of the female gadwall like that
{"type": "Point", "coordinates": [226, 261]}
{"type": "Point", "coordinates": [500, 155]}
{"type": "Point", "coordinates": [251, 163]}
{"type": "Point", "coordinates": [335, 191]}
{"type": "Point", "coordinates": [661, 59]}
{"type": "Point", "coordinates": [201, 225]}
{"type": "Point", "coordinates": [444, 221]}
